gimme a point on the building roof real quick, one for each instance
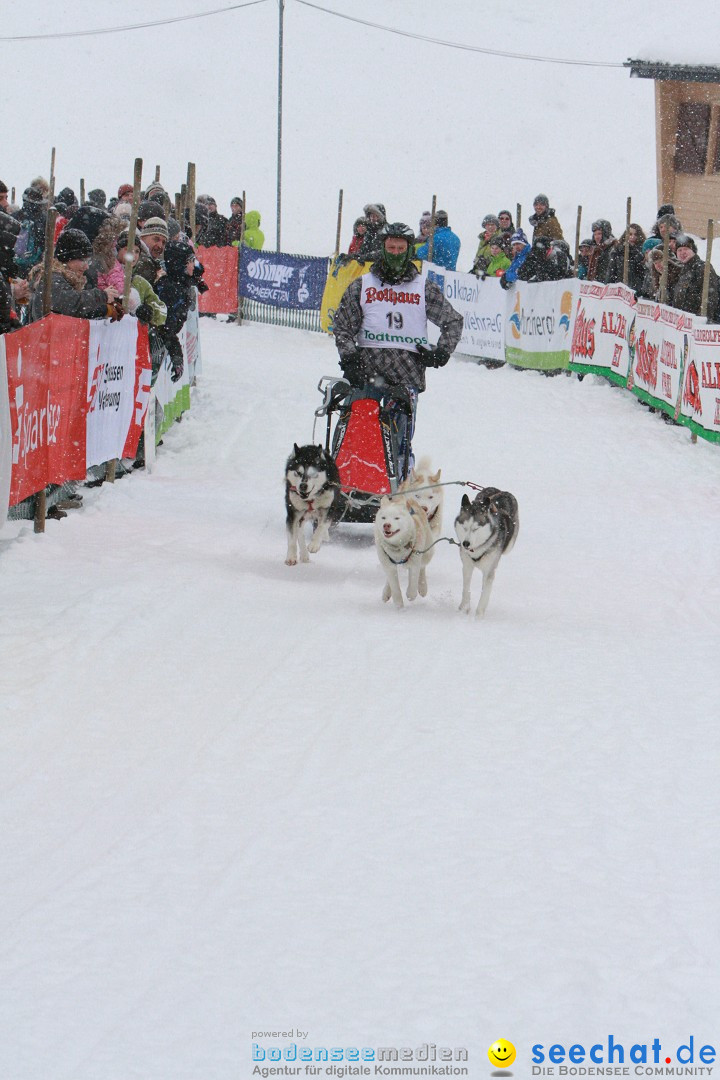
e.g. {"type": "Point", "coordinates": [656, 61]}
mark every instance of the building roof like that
{"type": "Point", "coordinates": [664, 72]}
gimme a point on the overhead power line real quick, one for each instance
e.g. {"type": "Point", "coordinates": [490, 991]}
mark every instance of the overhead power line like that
{"type": "Point", "coordinates": [131, 26]}
{"type": "Point", "coordinates": [460, 45]}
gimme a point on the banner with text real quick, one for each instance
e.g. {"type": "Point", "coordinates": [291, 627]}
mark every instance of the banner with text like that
{"type": "Point", "coordinates": [5, 437]}
{"type": "Point", "coordinates": [700, 403]}
{"type": "Point", "coordinates": [118, 389]}
{"type": "Point", "coordinates": [47, 366]}
{"type": "Point", "coordinates": [538, 324]}
{"type": "Point", "coordinates": [659, 353]}
{"type": "Point", "coordinates": [482, 306]}
{"type": "Point", "coordinates": [604, 330]}
{"type": "Point", "coordinates": [341, 272]}
{"type": "Point", "coordinates": [288, 281]}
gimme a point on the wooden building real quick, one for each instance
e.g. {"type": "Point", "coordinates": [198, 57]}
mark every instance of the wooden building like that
{"type": "Point", "coordinates": [687, 139]}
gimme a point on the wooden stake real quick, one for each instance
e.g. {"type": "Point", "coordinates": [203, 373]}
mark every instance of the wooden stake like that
{"type": "Point", "coordinates": [178, 209]}
{"type": "Point", "coordinates": [183, 204]}
{"type": "Point", "coordinates": [626, 256]}
{"type": "Point", "coordinates": [706, 274]}
{"type": "Point", "coordinates": [577, 240]}
{"type": "Point", "coordinates": [431, 241]}
{"type": "Point", "coordinates": [665, 264]}
{"type": "Point", "coordinates": [82, 192]}
{"type": "Point", "coordinates": [49, 252]}
{"type": "Point", "coordinates": [191, 198]}
{"type": "Point", "coordinates": [240, 247]}
{"type": "Point", "coordinates": [518, 216]}
{"type": "Point", "coordinates": [339, 223]}
{"type": "Point", "coordinates": [12, 197]}
{"type": "Point", "coordinates": [52, 170]}
{"type": "Point", "coordinates": [157, 174]}
{"type": "Point", "coordinates": [40, 511]}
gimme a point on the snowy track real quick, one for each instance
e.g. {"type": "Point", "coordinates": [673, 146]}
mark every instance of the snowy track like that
{"type": "Point", "coordinates": [238, 795]}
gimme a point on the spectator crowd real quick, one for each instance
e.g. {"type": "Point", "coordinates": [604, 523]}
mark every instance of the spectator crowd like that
{"type": "Point", "coordinates": [508, 253]}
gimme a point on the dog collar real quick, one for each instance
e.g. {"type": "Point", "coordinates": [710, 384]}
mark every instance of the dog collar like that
{"type": "Point", "coordinates": [400, 562]}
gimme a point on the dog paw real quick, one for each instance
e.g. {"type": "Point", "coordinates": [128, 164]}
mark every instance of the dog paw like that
{"type": "Point", "coordinates": [386, 594]}
{"type": "Point", "coordinates": [422, 588]}
{"type": "Point", "coordinates": [314, 546]}
{"type": "Point", "coordinates": [465, 608]}
{"type": "Point", "coordinates": [304, 557]}
{"type": "Point", "coordinates": [412, 595]}
{"type": "Point", "coordinates": [290, 562]}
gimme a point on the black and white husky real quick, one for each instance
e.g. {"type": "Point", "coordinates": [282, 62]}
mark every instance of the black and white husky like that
{"type": "Point", "coordinates": [486, 529]}
{"type": "Point", "coordinates": [312, 489]}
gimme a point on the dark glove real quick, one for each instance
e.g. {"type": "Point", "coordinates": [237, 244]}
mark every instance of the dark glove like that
{"type": "Point", "coordinates": [353, 368]}
{"type": "Point", "coordinates": [433, 357]}
{"type": "Point", "coordinates": [176, 368]}
{"type": "Point", "coordinates": [144, 313]}
{"type": "Point", "coordinates": [504, 283]}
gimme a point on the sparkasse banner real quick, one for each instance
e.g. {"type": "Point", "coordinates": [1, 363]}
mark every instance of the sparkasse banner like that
{"type": "Point", "coordinates": [118, 388]}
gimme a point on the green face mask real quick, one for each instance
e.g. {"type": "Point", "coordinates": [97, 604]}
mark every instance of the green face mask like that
{"type": "Point", "coordinates": [396, 263]}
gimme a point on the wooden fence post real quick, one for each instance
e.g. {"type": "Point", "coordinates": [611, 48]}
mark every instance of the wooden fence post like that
{"type": "Point", "coordinates": [626, 255]}
{"type": "Point", "coordinates": [577, 240]}
{"type": "Point", "coordinates": [518, 216]}
{"type": "Point", "coordinates": [240, 247]}
{"type": "Point", "coordinates": [339, 223]}
{"type": "Point", "coordinates": [82, 191]}
{"type": "Point", "coordinates": [431, 241]}
{"type": "Point", "coordinates": [191, 198]}
{"type": "Point", "coordinates": [665, 264]}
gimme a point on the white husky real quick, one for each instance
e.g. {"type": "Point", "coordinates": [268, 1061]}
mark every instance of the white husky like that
{"type": "Point", "coordinates": [431, 497]}
{"type": "Point", "coordinates": [402, 538]}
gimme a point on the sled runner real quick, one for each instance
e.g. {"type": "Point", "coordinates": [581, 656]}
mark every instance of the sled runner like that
{"type": "Point", "coordinates": [367, 436]}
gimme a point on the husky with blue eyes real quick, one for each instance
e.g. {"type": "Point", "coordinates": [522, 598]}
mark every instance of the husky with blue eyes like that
{"type": "Point", "coordinates": [312, 495]}
{"type": "Point", "coordinates": [486, 529]}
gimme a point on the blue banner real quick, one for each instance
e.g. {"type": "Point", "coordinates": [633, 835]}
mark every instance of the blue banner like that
{"type": "Point", "coordinates": [288, 281]}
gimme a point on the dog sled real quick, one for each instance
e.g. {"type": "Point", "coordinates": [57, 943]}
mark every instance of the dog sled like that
{"type": "Point", "coordinates": [367, 435]}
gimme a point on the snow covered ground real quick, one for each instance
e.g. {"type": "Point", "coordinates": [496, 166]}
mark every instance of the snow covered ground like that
{"type": "Point", "coordinates": [241, 796]}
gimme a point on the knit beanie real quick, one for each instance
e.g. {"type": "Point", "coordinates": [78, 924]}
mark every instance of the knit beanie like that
{"type": "Point", "coordinates": [123, 190]}
{"type": "Point", "coordinates": [155, 226]}
{"type": "Point", "coordinates": [72, 244]}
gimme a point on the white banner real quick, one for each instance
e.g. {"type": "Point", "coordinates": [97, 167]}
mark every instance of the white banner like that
{"type": "Point", "coordinates": [111, 388]}
{"type": "Point", "coordinates": [700, 401]}
{"type": "Point", "coordinates": [659, 353]}
{"type": "Point", "coordinates": [538, 324]}
{"type": "Point", "coordinates": [5, 437]}
{"type": "Point", "coordinates": [191, 342]}
{"type": "Point", "coordinates": [603, 330]}
{"type": "Point", "coordinates": [482, 306]}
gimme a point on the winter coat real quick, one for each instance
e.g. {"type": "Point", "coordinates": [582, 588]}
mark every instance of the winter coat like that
{"type": "Point", "coordinates": [69, 294]}
{"type": "Point", "coordinates": [370, 247]}
{"type": "Point", "coordinates": [446, 248]}
{"type": "Point", "coordinates": [8, 316]}
{"type": "Point", "coordinates": [546, 224]}
{"type": "Point", "coordinates": [482, 255]}
{"type": "Point", "coordinates": [254, 237]}
{"type": "Point", "coordinates": [397, 366]}
{"type": "Point", "coordinates": [636, 266]}
{"type": "Point", "coordinates": [651, 282]}
{"type": "Point", "coordinates": [598, 266]}
{"type": "Point", "coordinates": [30, 246]}
{"type": "Point", "coordinates": [214, 232]}
{"type": "Point", "coordinates": [686, 294]}
{"type": "Point", "coordinates": [115, 277]}
{"type": "Point", "coordinates": [513, 271]}
{"type": "Point", "coordinates": [148, 296]}
{"type": "Point", "coordinates": [497, 265]}
{"type": "Point", "coordinates": [233, 229]}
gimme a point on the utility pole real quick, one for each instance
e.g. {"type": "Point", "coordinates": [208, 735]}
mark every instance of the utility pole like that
{"type": "Point", "coordinates": [281, 10]}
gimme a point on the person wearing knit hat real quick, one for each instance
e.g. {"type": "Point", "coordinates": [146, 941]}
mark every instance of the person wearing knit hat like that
{"type": "Point", "coordinates": [97, 197]}
{"type": "Point", "coordinates": [687, 291]}
{"type": "Point", "coordinates": [446, 243]}
{"type": "Point", "coordinates": [69, 292]}
{"type": "Point", "coordinates": [125, 193]}
{"type": "Point", "coordinates": [90, 219]}
{"type": "Point", "coordinates": [154, 226]}
{"type": "Point", "coordinates": [4, 202]}
{"type": "Point", "coordinates": [490, 225]}
{"type": "Point", "coordinates": [154, 235]}
{"type": "Point", "coordinates": [543, 221]}
{"type": "Point", "coordinates": [147, 209]}
{"type": "Point", "coordinates": [143, 302]}
{"type": "Point", "coordinates": [424, 226]}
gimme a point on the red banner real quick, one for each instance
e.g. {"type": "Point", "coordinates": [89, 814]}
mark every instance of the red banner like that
{"type": "Point", "coordinates": [47, 365]}
{"type": "Point", "coordinates": [221, 274]}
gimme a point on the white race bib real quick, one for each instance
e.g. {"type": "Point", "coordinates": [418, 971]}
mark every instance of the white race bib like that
{"type": "Point", "coordinates": [394, 316]}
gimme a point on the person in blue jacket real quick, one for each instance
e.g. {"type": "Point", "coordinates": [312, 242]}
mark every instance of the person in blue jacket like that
{"type": "Point", "coordinates": [446, 244]}
{"type": "Point", "coordinates": [520, 248]}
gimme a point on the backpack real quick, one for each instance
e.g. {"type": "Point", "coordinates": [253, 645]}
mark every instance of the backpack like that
{"type": "Point", "coordinates": [29, 246]}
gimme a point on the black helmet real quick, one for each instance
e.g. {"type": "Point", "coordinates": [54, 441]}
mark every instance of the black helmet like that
{"type": "Point", "coordinates": [397, 229]}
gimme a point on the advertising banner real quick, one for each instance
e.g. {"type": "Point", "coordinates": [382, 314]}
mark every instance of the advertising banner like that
{"type": "Point", "coordinates": [700, 399]}
{"type": "Point", "coordinates": [192, 344]}
{"type": "Point", "coordinates": [538, 323]}
{"type": "Point", "coordinates": [603, 330]}
{"type": "Point", "coordinates": [482, 306]}
{"type": "Point", "coordinates": [118, 389]}
{"type": "Point", "coordinates": [47, 369]}
{"type": "Point", "coordinates": [288, 281]}
{"type": "Point", "coordinates": [221, 277]}
{"type": "Point", "coordinates": [5, 437]}
{"type": "Point", "coordinates": [171, 398]}
{"type": "Point", "coordinates": [659, 353]}
{"type": "Point", "coordinates": [342, 271]}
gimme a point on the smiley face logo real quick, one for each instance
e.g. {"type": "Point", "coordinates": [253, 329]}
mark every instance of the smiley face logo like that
{"type": "Point", "coordinates": [501, 1053]}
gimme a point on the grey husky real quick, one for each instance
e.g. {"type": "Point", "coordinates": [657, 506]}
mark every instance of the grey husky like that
{"type": "Point", "coordinates": [312, 490]}
{"type": "Point", "coordinates": [486, 529]}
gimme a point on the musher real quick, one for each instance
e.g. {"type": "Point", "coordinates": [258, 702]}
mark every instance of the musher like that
{"type": "Point", "coordinates": [381, 333]}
